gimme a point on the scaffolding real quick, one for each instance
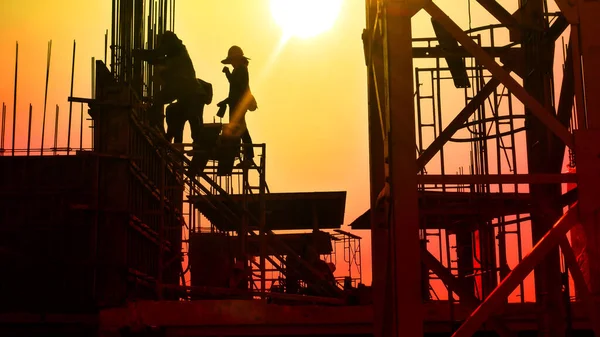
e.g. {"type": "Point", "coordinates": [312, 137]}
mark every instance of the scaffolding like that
{"type": "Point", "coordinates": [163, 206]}
{"type": "Point", "coordinates": [473, 218]}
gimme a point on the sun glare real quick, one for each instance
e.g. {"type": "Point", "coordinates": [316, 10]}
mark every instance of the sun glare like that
{"type": "Point", "coordinates": [305, 18]}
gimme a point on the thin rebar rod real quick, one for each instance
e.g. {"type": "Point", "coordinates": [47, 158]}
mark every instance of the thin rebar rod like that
{"type": "Point", "coordinates": [29, 130]}
{"type": "Point", "coordinates": [56, 130]}
{"type": "Point", "coordinates": [71, 103]}
{"type": "Point", "coordinates": [105, 46]}
{"type": "Point", "coordinates": [173, 16]}
{"type": "Point", "coordinates": [15, 100]}
{"type": "Point", "coordinates": [81, 130]}
{"type": "Point", "coordinates": [3, 130]}
{"type": "Point", "coordinates": [112, 39]}
{"type": "Point", "coordinates": [161, 228]}
{"type": "Point", "coordinates": [93, 94]}
{"type": "Point", "coordinates": [48, 58]}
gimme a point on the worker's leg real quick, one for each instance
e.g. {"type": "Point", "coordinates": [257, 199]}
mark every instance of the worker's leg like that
{"type": "Point", "coordinates": [194, 115]}
{"type": "Point", "coordinates": [155, 116]}
{"type": "Point", "coordinates": [175, 123]}
{"type": "Point", "coordinates": [178, 124]}
{"type": "Point", "coordinates": [196, 126]}
{"type": "Point", "coordinates": [248, 149]}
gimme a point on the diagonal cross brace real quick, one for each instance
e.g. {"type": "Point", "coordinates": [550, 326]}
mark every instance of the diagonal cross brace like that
{"type": "Point", "coordinates": [502, 15]}
{"type": "Point", "coordinates": [580, 284]}
{"type": "Point", "coordinates": [568, 10]}
{"type": "Point", "coordinates": [518, 274]}
{"type": "Point", "coordinates": [457, 123]}
{"type": "Point", "coordinates": [543, 114]}
{"type": "Point", "coordinates": [458, 287]}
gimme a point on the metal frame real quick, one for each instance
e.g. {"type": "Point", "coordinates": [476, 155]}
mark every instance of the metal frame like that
{"type": "Point", "coordinates": [391, 90]}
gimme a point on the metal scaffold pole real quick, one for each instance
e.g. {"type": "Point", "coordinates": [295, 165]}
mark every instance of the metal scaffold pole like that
{"type": "Point", "coordinates": [397, 280]}
{"type": "Point", "coordinates": [262, 218]}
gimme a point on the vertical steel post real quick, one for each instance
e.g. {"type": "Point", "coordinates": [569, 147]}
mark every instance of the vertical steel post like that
{"type": "Point", "coordinates": [586, 47]}
{"type": "Point", "coordinates": [373, 44]}
{"type": "Point", "coordinates": [262, 217]}
{"type": "Point", "coordinates": [538, 81]}
{"type": "Point", "coordinates": [404, 212]}
{"type": "Point", "coordinates": [394, 204]}
{"type": "Point", "coordinates": [243, 232]}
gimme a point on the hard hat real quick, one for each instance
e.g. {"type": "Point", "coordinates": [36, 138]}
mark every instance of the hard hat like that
{"type": "Point", "coordinates": [234, 53]}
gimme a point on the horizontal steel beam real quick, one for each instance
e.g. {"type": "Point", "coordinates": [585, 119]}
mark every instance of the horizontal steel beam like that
{"type": "Point", "coordinates": [467, 179]}
{"type": "Point", "coordinates": [438, 52]}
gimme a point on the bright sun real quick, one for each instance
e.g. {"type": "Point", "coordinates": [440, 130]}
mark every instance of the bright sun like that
{"type": "Point", "coordinates": [305, 18]}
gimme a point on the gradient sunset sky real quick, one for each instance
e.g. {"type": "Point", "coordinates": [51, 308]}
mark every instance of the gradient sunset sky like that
{"type": "Point", "coordinates": [312, 93]}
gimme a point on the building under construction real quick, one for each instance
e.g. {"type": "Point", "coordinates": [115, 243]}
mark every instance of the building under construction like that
{"type": "Point", "coordinates": [122, 239]}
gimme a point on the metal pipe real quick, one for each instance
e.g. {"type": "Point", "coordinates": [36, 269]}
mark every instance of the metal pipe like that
{"type": "Point", "coordinates": [48, 57]}
{"type": "Point", "coordinates": [15, 101]}
{"type": "Point", "coordinates": [71, 103]}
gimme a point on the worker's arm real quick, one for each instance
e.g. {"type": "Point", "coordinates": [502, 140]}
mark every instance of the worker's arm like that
{"type": "Point", "coordinates": [227, 73]}
{"type": "Point", "coordinates": [152, 56]}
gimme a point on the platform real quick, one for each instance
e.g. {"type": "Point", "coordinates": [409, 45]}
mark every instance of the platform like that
{"type": "Point", "coordinates": [257, 318]}
{"type": "Point", "coordinates": [284, 211]}
{"type": "Point", "coordinates": [295, 241]}
{"type": "Point", "coordinates": [464, 210]}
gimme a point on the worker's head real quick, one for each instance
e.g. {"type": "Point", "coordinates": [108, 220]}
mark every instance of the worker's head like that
{"type": "Point", "coordinates": [169, 40]}
{"type": "Point", "coordinates": [235, 57]}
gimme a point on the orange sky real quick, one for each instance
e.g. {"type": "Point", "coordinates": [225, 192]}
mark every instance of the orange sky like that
{"type": "Point", "coordinates": [312, 94]}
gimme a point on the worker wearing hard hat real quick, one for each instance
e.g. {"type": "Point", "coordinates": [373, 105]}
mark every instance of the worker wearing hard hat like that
{"type": "Point", "coordinates": [240, 100]}
{"type": "Point", "coordinates": [177, 79]}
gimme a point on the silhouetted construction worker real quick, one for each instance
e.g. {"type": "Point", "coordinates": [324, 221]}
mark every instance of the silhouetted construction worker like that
{"type": "Point", "coordinates": [240, 100]}
{"type": "Point", "coordinates": [177, 115]}
{"type": "Point", "coordinates": [177, 79]}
